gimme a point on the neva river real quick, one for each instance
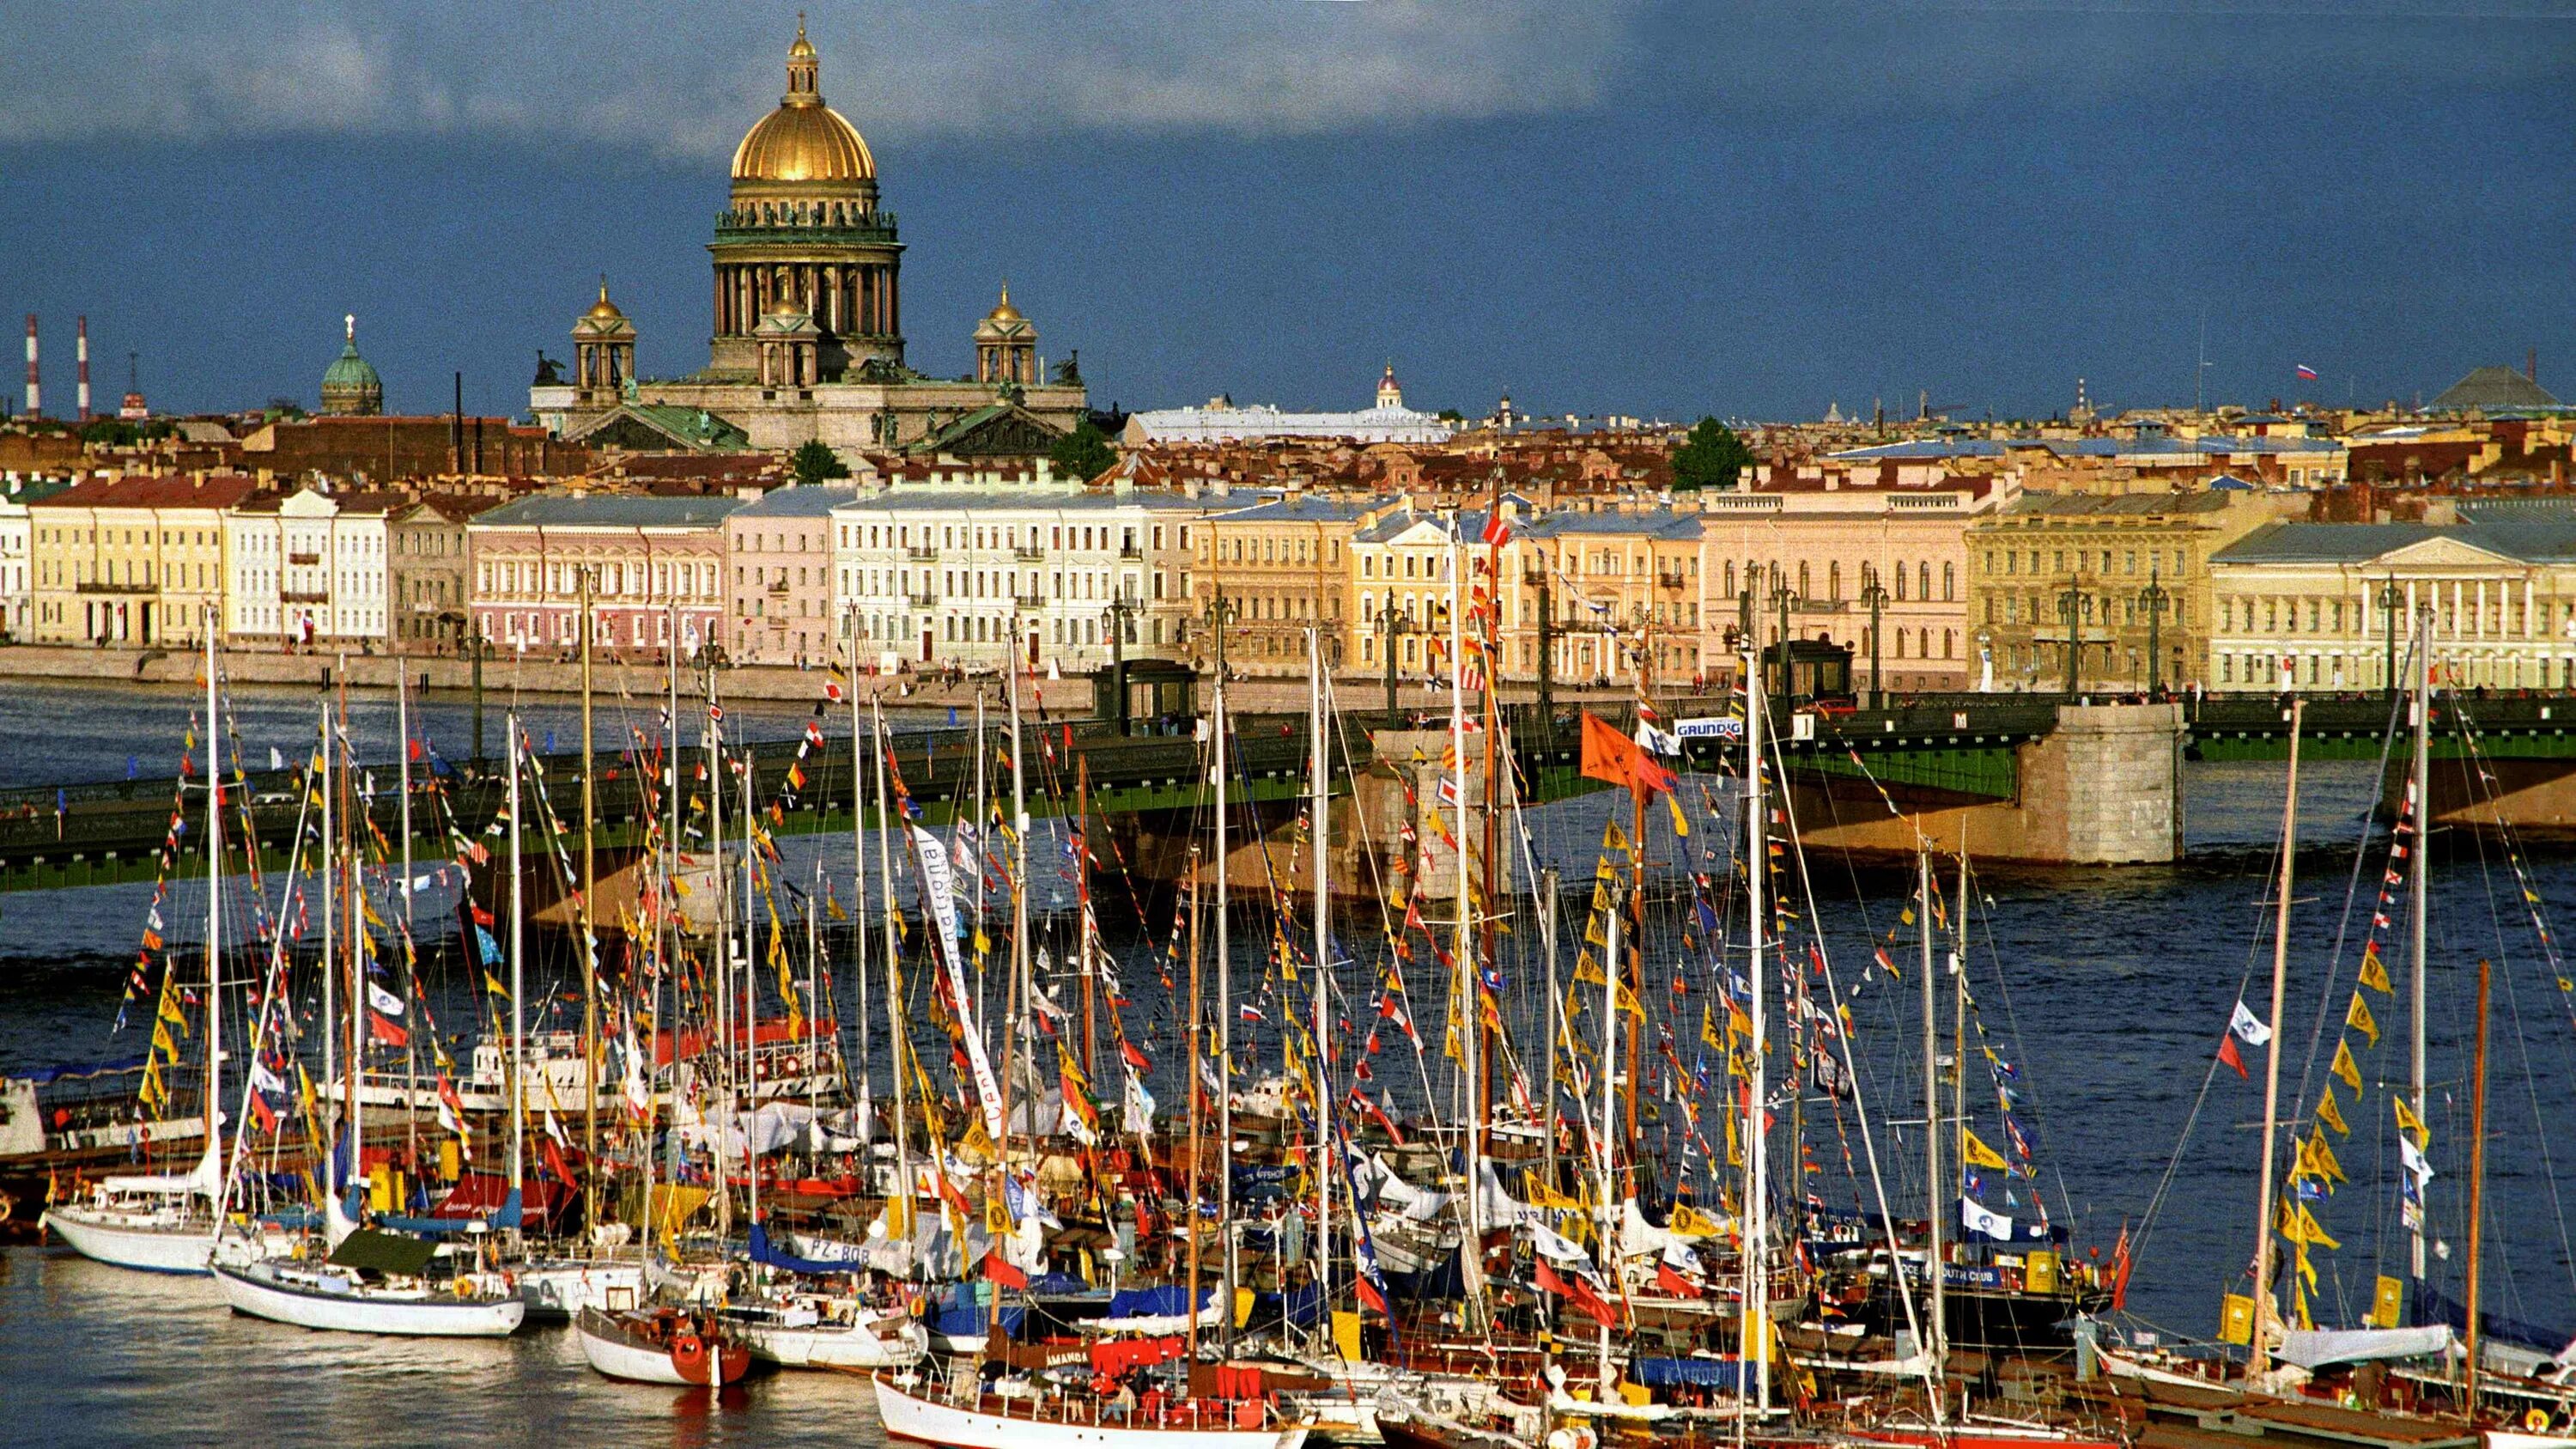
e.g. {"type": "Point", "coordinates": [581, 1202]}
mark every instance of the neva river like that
{"type": "Point", "coordinates": [2107, 989]}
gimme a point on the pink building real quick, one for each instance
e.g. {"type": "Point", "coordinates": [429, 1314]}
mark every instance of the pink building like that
{"type": "Point", "coordinates": [1826, 543]}
{"type": "Point", "coordinates": [654, 566]}
{"type": "Point", "coordinates": [779, 580]}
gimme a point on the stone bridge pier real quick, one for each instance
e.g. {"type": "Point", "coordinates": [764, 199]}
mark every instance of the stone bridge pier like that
{"type": "Point", "coordinates": [2104, 787]}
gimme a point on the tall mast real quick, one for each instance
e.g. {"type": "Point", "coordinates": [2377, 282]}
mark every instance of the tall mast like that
{"type": "Point", "coordinates": [2259, 1356]}
{"type": "Point", "coordinates": [588, 920]}
{"type": "Point", "coordinates": [1325, 1104]}
{"type": "Point", "coordinates": [1224, 1007]}
{"type": "Point", "coordinates": [1082, 924]}
{"type": "Point", "coordinates": [402, 778]}
{"type": "Point", "coordinates": [1022, 983]}
{"type": "Point", "coordinates": [1471, 1040]}
{"type": "Point", "coordinates": [355, 881]}
{"type": "Point", "coordinates": [1610, 1206]}
{"type": "Point", "coordinates": [893, 962]}
{"type": "Point", "coordinates": [214, 1090]}
{"type": "Point", "coordinates": [518, 984]}
{"type": "Point", "coordinates": [1193, 1035]}
{"type": "Point", "coordinates": [1757, 1212]}
{"type": "Point", "coordinates": [859, 877]}
{"type": "Point", "coordinates": [1547, 909]}
{"type": "Point", "coordinates": [1936, 1187]}
{"type": "Point", "coordinates": [2420, 787]}
{"type": "Point", "coordinates": [330, 882]}
{"type": "Point", "coordinates": [1490, 924]}
{"type": "Point", "coordinates": [750, 992]}
{"type": "Point", "coordinates": [2477, 1194]}
{"type": "Point", "coordinates": [722, 936]}
{"type": "Point", "coordinates": [983, 819]}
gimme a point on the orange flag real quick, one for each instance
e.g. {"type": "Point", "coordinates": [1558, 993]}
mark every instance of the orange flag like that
{"type": "Point", "coordinates": [1612, 756]}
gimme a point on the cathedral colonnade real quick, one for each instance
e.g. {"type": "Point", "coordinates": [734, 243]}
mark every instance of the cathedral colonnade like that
{"type": "Point", "coordinates": [845, 299]}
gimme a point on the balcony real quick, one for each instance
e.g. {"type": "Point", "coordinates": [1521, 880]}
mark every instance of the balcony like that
{"type": "Point", "coordinates": [1028, 602]}
{"type": "Point", "coordinates": [748, 227]}
{"type": "Point", "coordinates": [923, 553]}
{"type": "Point", "coordinates": [1669, 581]}
{"type": "Point", "coordinates": [1029, 554]}
{"type": "Point", "coordinates": [922, 601]}
{"type": "Point", "coordinates": [778, 586]}
{"type": "Point", "coordinates": [100, 587]}
{"type": "Point", "coordinates": [304, 560]}
{"type": "Point", "coordinates": [1130, 551]}
{"type": "Point", "coordinates": [304, 596]}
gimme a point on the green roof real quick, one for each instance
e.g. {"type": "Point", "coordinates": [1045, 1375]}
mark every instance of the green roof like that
{"type": "Point", "coordinates": [349, 370]}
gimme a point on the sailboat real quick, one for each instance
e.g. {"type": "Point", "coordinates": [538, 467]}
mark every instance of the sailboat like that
{"type": "Point", "coordinates": [357, 1279]}
{"type": "Point", "coordinates": [164, 1222]}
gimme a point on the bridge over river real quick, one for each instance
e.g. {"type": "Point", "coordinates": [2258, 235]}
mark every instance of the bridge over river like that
{"type": "Point", "coordinates": [2040, 778]}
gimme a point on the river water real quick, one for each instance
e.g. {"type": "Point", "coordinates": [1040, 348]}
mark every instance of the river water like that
{"type": "Point", "coordinates": [2107, 989]}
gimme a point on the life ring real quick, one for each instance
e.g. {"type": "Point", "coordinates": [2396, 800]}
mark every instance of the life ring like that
{"type": "Point", "coordinates": [689, 1356]}
{"type": "Point", "coordinates": [2536, 1421]}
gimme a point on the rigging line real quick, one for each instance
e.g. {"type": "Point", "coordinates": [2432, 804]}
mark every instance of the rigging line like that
{"type": "Point", "coordinates": [2352, 893]}
{"type": "Point", "coordinates": [2502, 1245]}
{"type": "Point", "coordinates": [2549, 1172]}
{"type": "Point", "coordinates": [2208, 1078]}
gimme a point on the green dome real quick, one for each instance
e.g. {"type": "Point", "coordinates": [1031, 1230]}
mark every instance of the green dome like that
{"type": "Point", "coordinates": [350, 385]}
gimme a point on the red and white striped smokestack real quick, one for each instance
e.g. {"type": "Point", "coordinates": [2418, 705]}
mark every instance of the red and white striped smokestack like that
{"type": "Point", "coordinates": [80, 354]}
{"type": "Point", "coordinates": [35, 379]}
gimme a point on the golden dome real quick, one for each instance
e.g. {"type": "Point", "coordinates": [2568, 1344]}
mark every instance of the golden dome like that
{"type": "Point", "coordinates": [803, 140]}
{"type": "Point", "coordinates": [1005, 312]}
{"type": "Point", "coordinates": [604, 310]}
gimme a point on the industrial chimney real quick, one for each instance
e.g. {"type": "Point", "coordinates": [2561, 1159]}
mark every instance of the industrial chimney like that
{"type": "Point", "coordinates": [35, 379]}
{"type": "Point", "coordinates": [80, 356]}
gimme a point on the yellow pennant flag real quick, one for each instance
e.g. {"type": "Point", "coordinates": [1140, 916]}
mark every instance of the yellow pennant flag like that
{"type": "Point", "coordinates": [2330, 1114]}
{"type": "Point", "coordinates": [1978, 1154]}
{"type": "Point", "coordinates": [2360, 1019]}
{"type": "Point", "coordinates": [2345, 1068]}
{"type": "Point", "coordinates": [2322, 1156]}
{"type": "Point", "coordinates": [2374, 973]}
{"type": "Point", "coordinates": [1588, 971]}
{"type": "Point", "coordinates": [1708, 1028]}
{"type": "Point", "coordinates": [2407, 1121]}
{"type": "Point", "coordinates": [1681, 823]}
{"type": "Point", "coordinates": [1614, 838]}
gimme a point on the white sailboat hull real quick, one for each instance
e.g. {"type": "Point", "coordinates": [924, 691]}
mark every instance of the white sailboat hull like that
{"type": "Point", "coordinates": [836, 1346]}
{"type": "Point", "coordinates": [254, 1291]}
{"type": "Point", "coordinates": [135, 1240]}
{"type": "Point", "coordinates": [926, 1421]}
{"type": "Point", "coordinates": [618, 1357]}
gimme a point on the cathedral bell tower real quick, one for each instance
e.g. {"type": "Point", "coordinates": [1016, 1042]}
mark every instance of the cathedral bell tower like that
{"type": "Point", "coordinates": [603, 351]}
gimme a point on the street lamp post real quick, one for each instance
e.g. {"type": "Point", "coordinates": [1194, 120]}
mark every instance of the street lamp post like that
{"type": "Point", "coordinates": [2070, 608]}
{"type": "Point", "coordinates": [2155, 598]}
{"type": "Point", "coordinates": [1120, 610]}
{"type": "Point", "coordinates": [2391, 598]}
{"type": "Point", "coordinates": [1874, 594]}
{"type": "Point", "coordinates": [1390, 626]}
{"type": "Point", "coordinates": [1782, 596]}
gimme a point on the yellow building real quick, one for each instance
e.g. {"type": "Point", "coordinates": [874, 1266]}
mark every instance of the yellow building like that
{"type": "Point", "coordinates": [130, 561]}
{"type": "Point", "coordinates": [1279, 568]}
{"type": "Point", "coordinates": [2094, 566]}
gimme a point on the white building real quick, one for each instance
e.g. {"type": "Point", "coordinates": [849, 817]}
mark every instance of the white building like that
{"type": "Point", "coordinates": [309, 568]}
{"type": "Point", "coordinates": [936, 578]}
{"type": "Point", "coordinates": [17, 584]}
{"type": "Point", "coordinates": [1390, 421]}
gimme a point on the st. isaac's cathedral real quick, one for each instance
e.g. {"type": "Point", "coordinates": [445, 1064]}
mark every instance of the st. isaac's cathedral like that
{"type": "Point", "coordinates": [808, 324]}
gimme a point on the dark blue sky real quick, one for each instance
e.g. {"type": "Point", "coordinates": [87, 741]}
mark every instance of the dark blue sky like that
{"type": "Point", "coordinates": [1750, 209]}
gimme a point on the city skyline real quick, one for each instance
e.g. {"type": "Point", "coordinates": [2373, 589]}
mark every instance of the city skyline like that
{"type": "Point", "coordinates": [1641, 209]}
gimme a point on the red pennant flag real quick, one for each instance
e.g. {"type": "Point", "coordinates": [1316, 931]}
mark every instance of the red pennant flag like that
{"type": "Point", "coordinates": [1612, 756]}
{"type": "Point", "coordinates": [384, 1032]}
{"type": "Point", "coordinates": [2227, 1054]}
{"type": "Point", "coordinates": [1674, 1283]}
{"type": "Point", "coordinates": [1576, 1292]}
{"type": "Point", "coordinates": [1000, 1271]}
{"type": "Point", "coordinates": [1135, 1058]}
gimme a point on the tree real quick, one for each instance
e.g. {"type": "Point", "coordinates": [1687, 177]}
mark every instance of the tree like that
{"type": "Point", "coordinates": [1711, 458]}
{"type": "Point", "coordinates": [815, 462]}
{"type": "Point", "coordinates": [1083, 453]}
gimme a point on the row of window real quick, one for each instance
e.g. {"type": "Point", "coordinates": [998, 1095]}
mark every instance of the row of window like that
{"type": "Point", "coordinates": [2005, 563]}
{"type": "Point", "coordinates": [1095, 538]}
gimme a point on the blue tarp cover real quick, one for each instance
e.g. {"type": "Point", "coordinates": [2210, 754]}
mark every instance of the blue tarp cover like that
{"type": "Point", "coordinates": [1704, 1373]}
{"type": "Point", "coordinates": [764, 1251]}
{"type": "Point", "coordinates": [1169, 1301]}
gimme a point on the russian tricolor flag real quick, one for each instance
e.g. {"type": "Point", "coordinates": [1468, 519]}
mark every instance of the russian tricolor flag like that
{"type": "Point", "coordinates": [2307, 373]}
